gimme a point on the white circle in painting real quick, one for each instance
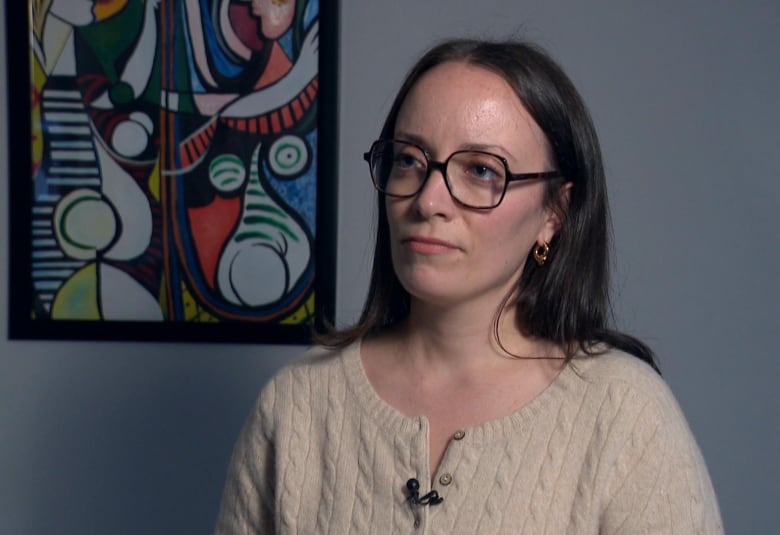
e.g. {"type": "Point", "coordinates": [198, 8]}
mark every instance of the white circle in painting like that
{"type": "Point", "coordinates": [131, 137]}
{"type": "Point", "coordinates": [258, 275]}
{"type": "Point", "coordinates": [288, 155]}
{"type": "Point", "coordinates": [84, 223]}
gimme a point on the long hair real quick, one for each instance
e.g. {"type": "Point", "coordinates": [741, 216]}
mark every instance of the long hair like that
{"type": "Point", "coordinates": [566, 300]}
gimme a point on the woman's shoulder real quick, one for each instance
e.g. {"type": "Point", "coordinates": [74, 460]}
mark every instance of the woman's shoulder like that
{"type": "Point", "coordinates": [632, 404]}
{"type": "Point", "coordinates": [316, 358]}
{"type": "Point", "coordinates": [315, 369]}
{"type": "Point", "coordinates": [632, 397]}
{"type": "Point", "coordinates": [646, 441]}
{"type": "Point", "coordinates": [298, 391]}
{"type": "Point", "coordinates": [629, 386]}
{"type": "Point", "coordinates": [612, 368]}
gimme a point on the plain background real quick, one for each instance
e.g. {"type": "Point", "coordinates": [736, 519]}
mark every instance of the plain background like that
{"type": "Point", "coordinates": [135, 437]}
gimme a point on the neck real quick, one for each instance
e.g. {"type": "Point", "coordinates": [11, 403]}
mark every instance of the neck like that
{"type": "Point", "coordinates": [463, 339]}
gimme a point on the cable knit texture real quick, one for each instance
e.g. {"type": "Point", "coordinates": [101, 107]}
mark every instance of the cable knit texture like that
{"type": "Point", "coordinates": [604, 449]}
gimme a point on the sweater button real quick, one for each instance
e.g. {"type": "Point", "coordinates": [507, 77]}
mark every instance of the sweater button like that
{"type": "Point", "coordinates": [445, 479]}
{"type": "Point", "coordinates": [459, 434]}
{"type": "Point", "coordinates": [416, 522]}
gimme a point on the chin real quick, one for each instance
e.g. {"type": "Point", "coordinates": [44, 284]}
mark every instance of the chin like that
{"type": "Point", "coordinates": [432, 293]}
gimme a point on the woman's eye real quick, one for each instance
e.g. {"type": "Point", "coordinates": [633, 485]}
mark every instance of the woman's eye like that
{"type": "Point", "coordinates": [483, 172]}
{"type": "Point", "coordinates": [405, 161]}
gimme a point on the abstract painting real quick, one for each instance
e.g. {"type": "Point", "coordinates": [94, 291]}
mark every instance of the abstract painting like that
{"type": "Point", "coordinates": [172, 172]}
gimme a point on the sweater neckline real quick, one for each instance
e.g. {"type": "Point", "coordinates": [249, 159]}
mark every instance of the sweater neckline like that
{"type": "Point", "coordinates": [394, 421]}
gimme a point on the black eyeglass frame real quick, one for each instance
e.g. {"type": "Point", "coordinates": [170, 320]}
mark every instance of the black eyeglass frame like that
{"type": "Point", "coordinates": [433, 165]}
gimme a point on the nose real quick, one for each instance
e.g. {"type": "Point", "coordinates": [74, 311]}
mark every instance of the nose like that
{"type": "Point", "coordinates": [434, 198]}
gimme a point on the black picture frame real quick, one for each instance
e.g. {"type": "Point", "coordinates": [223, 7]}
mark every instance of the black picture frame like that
{"type": "Point", "coordinates": [25, 324]}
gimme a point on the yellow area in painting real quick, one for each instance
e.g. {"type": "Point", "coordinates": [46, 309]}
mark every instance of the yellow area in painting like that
{"type": "Point", "coordinates": [108, 8]}
{"type": "Point", "coordinates": [196, 313]}
{"type": "Point", "coordinates": [193, 311]}
{"type": "Point", "coordinates": [77, 299]}
{"type": "Point", "coordinates": [303, 314]}
{"type": "Point", "coordinates": [154, 180]}
{"type": "Point", "coordinates": [36, 134]}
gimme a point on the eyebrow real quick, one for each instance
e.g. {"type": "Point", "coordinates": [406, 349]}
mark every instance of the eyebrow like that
{"type": "Point", "coordinates": [484, 147]}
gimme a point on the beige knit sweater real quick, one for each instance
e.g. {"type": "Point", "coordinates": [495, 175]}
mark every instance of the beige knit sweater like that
{"type": "Point", "coordinates": [605, 449]}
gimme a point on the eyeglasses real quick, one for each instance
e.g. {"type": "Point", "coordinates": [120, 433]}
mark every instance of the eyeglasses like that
{"type": "Point", "coordinates": [474, 178]}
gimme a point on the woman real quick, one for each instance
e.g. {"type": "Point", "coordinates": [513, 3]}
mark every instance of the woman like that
{"type": "Point", "coordinates": [481, 391]}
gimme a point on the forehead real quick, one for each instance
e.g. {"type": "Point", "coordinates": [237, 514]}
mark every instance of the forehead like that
{"type": "Point", "coordinates": [457, 104]}
{"type": "Point", "coordinates": [464, 82]}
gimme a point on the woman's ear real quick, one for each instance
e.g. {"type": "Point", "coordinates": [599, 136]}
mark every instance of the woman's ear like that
{"type": "Point", "coordinates": [556, 214]}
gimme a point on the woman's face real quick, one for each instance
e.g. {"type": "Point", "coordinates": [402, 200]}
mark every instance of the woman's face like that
{"type": "Point", "coordinates": [443, 253]}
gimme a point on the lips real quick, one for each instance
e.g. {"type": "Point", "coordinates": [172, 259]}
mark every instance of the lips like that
{"type": "Point", "coordinates": [428, 245]}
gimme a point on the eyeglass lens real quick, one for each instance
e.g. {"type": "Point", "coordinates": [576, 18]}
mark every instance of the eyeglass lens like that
{"type": "Point", "coordinates": [474, 178]}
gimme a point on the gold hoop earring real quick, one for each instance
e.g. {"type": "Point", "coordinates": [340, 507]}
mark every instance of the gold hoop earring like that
{"type": "Point", "coordinates": [541, 252]}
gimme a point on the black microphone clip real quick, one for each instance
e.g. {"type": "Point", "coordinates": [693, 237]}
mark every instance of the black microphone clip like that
{"type": "Point", "coordinates": [432, 498]}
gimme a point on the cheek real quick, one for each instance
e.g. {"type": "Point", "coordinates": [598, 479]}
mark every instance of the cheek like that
{"type": "Point", "coordinates": [391, 216]}
{"type": "Point", "coordinates": [508, 249]}
{"type": "Point", "coordinates": [511, 236]}
{"type": "Point", "coordinates": [393, 211]}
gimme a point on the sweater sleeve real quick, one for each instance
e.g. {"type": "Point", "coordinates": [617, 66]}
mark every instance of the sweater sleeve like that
{"type": "Point", "coordinates": [658, 483]}
{"type": "Point", "coordinates": [247, 500]}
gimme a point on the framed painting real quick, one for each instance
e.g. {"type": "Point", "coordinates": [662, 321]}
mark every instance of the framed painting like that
{"type": "Point", "coordinates": [172, 169]}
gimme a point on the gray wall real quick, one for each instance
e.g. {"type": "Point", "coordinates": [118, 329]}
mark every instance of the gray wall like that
{"type": "Point", "coordinates": [135, 437]}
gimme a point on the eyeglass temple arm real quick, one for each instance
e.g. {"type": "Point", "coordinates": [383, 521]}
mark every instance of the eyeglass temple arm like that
{"type": "Point", "coordinates": [531, 176]}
